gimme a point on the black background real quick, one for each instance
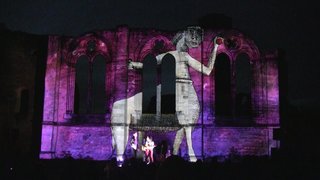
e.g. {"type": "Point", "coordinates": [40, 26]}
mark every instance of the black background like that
{"type": "Point", "coordinates": [272, 24]}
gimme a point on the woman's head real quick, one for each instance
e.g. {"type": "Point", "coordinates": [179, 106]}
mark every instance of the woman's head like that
{"type": "Point", "coordinates": [189, 38]}
{"type": "Point", "coordinates": [193, 36]}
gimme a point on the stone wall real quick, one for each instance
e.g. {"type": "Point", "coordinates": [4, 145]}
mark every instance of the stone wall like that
{"type": "Point", "coordinates": [61, 134]}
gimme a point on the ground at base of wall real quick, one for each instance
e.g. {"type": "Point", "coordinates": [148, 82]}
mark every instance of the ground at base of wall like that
{"type": "Point", "coordinates": [172, 167]}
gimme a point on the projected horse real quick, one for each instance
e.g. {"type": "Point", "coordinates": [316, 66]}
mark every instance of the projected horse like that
{"type": "Point", "coordinates": [187, 103]}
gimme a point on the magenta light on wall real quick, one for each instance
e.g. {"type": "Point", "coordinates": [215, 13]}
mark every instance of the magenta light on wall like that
{"type": "Point", "coordinates": [75, 125]}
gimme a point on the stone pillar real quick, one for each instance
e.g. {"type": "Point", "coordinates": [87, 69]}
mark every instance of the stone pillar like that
{"type": "Point", "coordinates": [51, 101]}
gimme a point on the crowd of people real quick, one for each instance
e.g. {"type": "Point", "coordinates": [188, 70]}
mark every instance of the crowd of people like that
{"type": "Point", "coordinates": [172, 167]}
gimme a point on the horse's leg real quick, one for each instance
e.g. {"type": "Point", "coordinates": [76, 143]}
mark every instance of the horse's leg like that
{"type": "Point", "coordinates": [120, 129]}
{"type": "Point", "coordinates": [112, 140]}
{"type": "Point", "coordinates": [177, 141]}
{"type": "Point", "coordinates": [180, 113]}
{"type": "Point", "coordinates": [192, 156]}
{"type": "Point", "coordinates": [122, 111]}
{"type": "Point", "coordinates": [120, 134]}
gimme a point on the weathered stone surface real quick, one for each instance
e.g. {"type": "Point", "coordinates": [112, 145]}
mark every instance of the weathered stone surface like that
{"type": "Point", "coordinates": [122, 44]}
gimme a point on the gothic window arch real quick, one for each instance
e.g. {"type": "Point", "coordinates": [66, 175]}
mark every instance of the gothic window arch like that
{"type": "Point", "coordinates": [90, 94]}
{"type": "Point", "coordinates": [158, 93]}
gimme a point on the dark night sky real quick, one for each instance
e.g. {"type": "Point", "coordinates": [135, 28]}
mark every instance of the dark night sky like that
{"type": "Point", "coordinates": [271, 24]}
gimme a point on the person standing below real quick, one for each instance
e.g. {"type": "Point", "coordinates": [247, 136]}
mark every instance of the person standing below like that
{"type": "Point", "coordinates": [168, 152]}
{"type": "Point", "coordinates": [148, 149]}
{"type": "Point", "coordinates": [134, 144]}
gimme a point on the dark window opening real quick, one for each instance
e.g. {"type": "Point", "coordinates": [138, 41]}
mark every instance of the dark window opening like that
{"type": "Point", "coordinates": [90, 101]}
{"type": "Point", "coordinates": [243, 87]}
{"type": "Point", "coordinates": [149, 87]}
{"type": "Point", "coordinates": [98, 85]}
{"type": "Point", "coordinates": [81, 84]}
{"type": "Point", "coordinates": [76, 99]}
{"type": "Point", "coordinates": [168, 85]}
{"type": "Point", "coordinates": [222, 78]}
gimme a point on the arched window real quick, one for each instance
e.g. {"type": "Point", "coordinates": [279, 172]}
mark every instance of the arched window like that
{"type": "Point", "coordinates": [81, 85]}
{"type": "Point", "coordinates": [222, 78]}
{"type": "Point", "coordinates": [159, 101]}
{"type": "Point", "coordinates": [243, 86]}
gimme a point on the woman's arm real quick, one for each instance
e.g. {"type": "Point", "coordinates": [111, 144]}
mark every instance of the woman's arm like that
{"type": "Point", "coordinates": [139, 65]}
{"type": "Point", "coordinates": [195, 64]}
{"type": "Point", "coordinates": [134, 65]}
{"type": "Point", "coordinates": [160, 56]}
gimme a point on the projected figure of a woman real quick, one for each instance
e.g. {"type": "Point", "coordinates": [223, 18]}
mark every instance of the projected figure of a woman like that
{"type": "Point", "coordinates": [187, 103]}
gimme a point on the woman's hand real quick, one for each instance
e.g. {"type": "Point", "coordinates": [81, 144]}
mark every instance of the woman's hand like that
{"type": "Point", "coordinates": [130, 64]}
{"type": "Point", "coordinates": [134, 65]}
